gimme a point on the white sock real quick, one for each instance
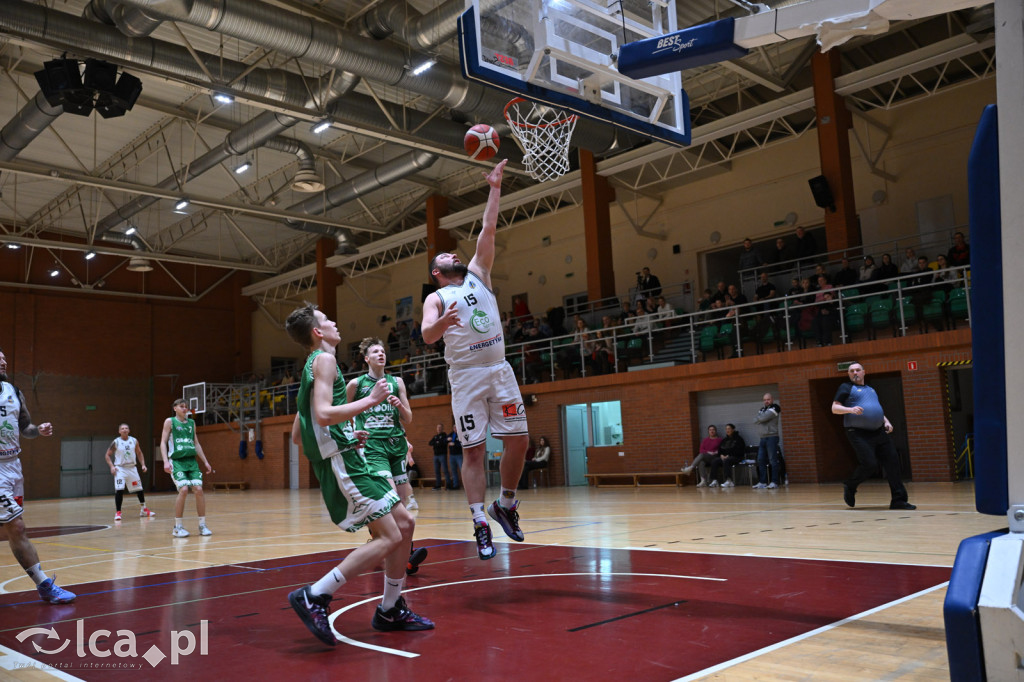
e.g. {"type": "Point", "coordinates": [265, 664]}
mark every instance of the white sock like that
{"type": "Point", "coordinates": [178, 522]}
{"type": "Point", "coordinates": [507, 498]}
{"type": "Point", "coordinates": [329, 584]}
{"type": "Point", "coordinates": [477, 509]}
{"type": "Point", "coordinates": [36, 573]}
{"type": "Point", "coordinates": [202, 520]}
{"type": "Point", "coordinates": [392, 591]}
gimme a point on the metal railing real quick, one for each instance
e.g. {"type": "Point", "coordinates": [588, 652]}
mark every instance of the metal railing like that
{"type": "Point", "coordinates": [891, 305]}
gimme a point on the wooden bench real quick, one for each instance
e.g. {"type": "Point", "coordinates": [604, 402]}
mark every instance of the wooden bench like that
{"type": "Point", "coordinates": [638, 478]}
{"type": "Point", "coordinates": [227, 485]}
{"type": "Point", "coordinates": [425, 482]}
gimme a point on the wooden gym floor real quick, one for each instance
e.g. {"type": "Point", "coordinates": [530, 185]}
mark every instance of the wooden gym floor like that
{"type": "Point", "coordinates": [652, 584]}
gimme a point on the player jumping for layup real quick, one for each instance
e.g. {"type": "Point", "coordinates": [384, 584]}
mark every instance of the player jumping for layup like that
{"type": "Point", "coordinates": [484, 388]}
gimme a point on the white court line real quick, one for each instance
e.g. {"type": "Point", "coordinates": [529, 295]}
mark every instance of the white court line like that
{"type": "Point", "coordinates": [16, 662]}
{"type": "Point", "coordinates": [794, 640]}
{"type": "Point", "coordinates": [409, 654]}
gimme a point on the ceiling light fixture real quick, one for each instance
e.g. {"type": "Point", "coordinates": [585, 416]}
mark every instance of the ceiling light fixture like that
{"type": "Point", "coordinates": [131, 230]}
{"type": "Point", "coordinates": [89, 255]}
{"type": "Point", "coordinates": [223, 98]}
{"type": "Point", "coordinates": [13, 246]}
{"type": "Point", "coordinates": [139, 265]}
{"type": "Point", "coordinates": [243, 167]}
{"type": "Point", "coordinates": [54, 272]}
{"type": "Point", "coordinates": [181, 205]}
{"type": "Point", "coordinates": [321, 126]}
{"type": "Point", "coordinates": [424, 67]}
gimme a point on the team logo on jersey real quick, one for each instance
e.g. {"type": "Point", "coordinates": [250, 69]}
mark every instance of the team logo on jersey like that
{"type": "Point", "coordinates": [513, 411]}
{"type": "Point", "coordinates": [6, 426]}
{"type": "Point", "coordinates": [480, 321]}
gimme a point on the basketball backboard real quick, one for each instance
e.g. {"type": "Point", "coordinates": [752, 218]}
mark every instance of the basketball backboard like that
{"type": "Point", "coordinates": [195, 394]}
{"type": "Point", "coordinates": [564, 52]}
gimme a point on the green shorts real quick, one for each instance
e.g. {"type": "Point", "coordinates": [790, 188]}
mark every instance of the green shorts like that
{"type": "Point", "coordinates": [354, 494]}
{"type": "Point", "coordinates": [386, 457]}
{"type": "Point", "coordinates": [185, 472]}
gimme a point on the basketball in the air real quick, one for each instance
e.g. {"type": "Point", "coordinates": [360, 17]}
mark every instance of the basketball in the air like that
{"type": "Point", "coordinates": [481, 142]}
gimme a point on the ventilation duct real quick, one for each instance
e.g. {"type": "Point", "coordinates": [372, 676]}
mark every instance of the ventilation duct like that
{"type": "Point", "coordinates": [35, 117]}
{"type": "Point", "coordinates": [139, 265]}
{"type": "Point", "coordinates": [306, 178]}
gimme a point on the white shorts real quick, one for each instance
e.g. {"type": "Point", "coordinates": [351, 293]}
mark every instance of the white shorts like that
{"type": "Point", "coordinates": [12, 489]}
{"type": "Point", "coordinates": [127, 478]}
{"type": "Point", "coordinates": [486, 396]}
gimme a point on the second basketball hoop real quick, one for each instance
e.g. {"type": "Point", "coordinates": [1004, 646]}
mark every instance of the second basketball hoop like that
{"type": "Point", "coordinates": [543, 133]}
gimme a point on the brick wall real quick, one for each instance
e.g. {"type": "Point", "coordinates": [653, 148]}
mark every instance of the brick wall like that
{"type": "Point", "coordinates": [87, 363]}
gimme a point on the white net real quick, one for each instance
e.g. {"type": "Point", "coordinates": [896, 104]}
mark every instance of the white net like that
{"type": "Point", "coordinates": [543, 133]}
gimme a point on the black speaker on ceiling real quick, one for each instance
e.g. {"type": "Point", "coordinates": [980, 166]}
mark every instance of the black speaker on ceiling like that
{"type": "Point", "coordinates": [822, 193]}
{"type": "Point", "coordinates": [61, 83]}
{"type": "Point", "coordinates": [121, 99]}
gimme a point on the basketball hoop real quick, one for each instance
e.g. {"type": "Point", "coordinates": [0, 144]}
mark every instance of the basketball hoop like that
{"type": "Point", "coordinates": [543, 133]}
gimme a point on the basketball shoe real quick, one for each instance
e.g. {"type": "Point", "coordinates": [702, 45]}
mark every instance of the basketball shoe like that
{"type": "Point", "coordinates": [484, 543]}
{"type": "Point", "coordinates": [145, 513]}
{"type": "Point", "coordinates": [415, 559]}
{"type": "Point", "coordinates": [203, 530]}
{"type": "Point", "coordinates": [399, 617]}
{"type": "Point", "coordinates": [179, 532]}
{"type": "Point", "coordinates": [52, 593]}
{"type": "Point", "coordinates": [117, 516]}
{"type": "Point", "coordinates": [508, 519]}
{"type": "Point", "coordinates": [313, 610]}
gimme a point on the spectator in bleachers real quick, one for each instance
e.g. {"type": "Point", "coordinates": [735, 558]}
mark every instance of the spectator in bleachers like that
{"type": "Point", "coordinates": [532, 358]}
{"type": "Point", "coordinates": [819, 270]}
{"type": "Point", "coordinates": [750, 258]}
{"type": "Point", "coordinates": [765, 289]}
{"type": "Point", "coordinates": [825, 315]}
{"type": "Point", "coordinates": [736, 295]}
{"type": "Point", "coordinates": [731, 452]}
{"type": "Point", "coordinates": [805, 245]}
{"type": "Point", "coordinates": [707, 453]}
{"type": "Point", "coordinates": [779, 254]}
{"type": "Point", "coordinates": [602, 358]}
{"type": "Point", "coordinates": [921, 293]}
{"type": "Point", "coordinates": [520, 310]}
{"type": "Point", "coordinates": [641, 320]}
{"type": "Point", "coordinates": [944, 277]}
{"type": "Point", "coordinates": [806, 313]}
{"type": "Point", "coordinates": [625, 313]}
{"type": "Point", "coordinates": [959, 255]}
{"type": "Point", "coordinates": [647, 285]}
{"type": "Point", "coordinates": [846, 276]}
{"type": "Point", "coordinates": [545, 328]}
{"type": "Point", "coordinates": [664, 309]}
{"type": "Point", "coordinates": [794, 287]}
{"type": "Point", "coordinates": [651, 306]}
{"type": "Point", "coordinates": [867, 270]}
{"type": "Point", "coordinates": [706, 299]}
{"type": "Point", "coordinates": [909, 264]}
{"type": "Point", "coordinates": [721, 291]}
{"type": "Point", "coordinates": [887, 270]}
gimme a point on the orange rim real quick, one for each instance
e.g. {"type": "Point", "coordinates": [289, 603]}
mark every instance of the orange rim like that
{"type": "Point", "coordinates": [518, 124]}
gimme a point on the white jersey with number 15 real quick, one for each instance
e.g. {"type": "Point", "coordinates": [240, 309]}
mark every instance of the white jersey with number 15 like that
{"type": "Point", "coordinates": [480, 340]}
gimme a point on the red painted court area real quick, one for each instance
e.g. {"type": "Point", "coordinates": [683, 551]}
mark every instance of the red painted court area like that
{"type": "Point", "coordinates": [536, 612]}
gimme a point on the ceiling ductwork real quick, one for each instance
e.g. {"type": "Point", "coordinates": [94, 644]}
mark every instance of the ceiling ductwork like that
{"type": "Point", "coordinates": [35, 117]}
{"type": "Point", "coordinates": [370, 181]}
{"type": "Point", "coordinates": [306, 178]}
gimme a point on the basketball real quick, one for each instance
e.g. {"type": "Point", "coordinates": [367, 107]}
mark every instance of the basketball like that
{"type": "Point", "coordinates": [481, 142]}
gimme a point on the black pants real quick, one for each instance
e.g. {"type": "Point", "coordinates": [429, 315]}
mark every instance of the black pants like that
{"type": "Point", "coordinates": [441, 463]}
{"type": "Point", "coordinates": [528, 466]}
{"type": "Point", "coordinates": [874, 449]}
{"type": "Point", "coordinates": [721, 468]}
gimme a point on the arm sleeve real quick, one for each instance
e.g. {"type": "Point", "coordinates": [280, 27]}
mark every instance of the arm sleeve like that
{"type": "Point", "coordinates": [842, 394]}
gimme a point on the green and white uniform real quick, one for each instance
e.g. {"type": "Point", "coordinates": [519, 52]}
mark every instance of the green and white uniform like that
{"type": "Point", "coordinates": [181, 449]}
{"type": "Point", "coordinates": [385, 448]}
{"type": "Point", "coordinates": [352, 491]}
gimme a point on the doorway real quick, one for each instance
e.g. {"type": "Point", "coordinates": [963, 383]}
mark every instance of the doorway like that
{"type": "Point", "coordinates": [83, 469]}
{"type": "Point", "coordinates": [576, 437]}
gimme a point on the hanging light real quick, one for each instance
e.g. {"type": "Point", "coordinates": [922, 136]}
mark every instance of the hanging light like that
{"type": "Point", "coordinates": [223, 98]}
{"type": "Point", "coordinates": [13, 246]}
{"type": "Point", "coordinates": [321, 126]}
{"type": "Point", "coordinates": [131, 230]}
{"type": "Point", "coordinates": [181, 205]}
{"type": "Point", "coordinates": [243, 167]}
{"type": "Point", "coordinates": [89, 255]}
{"type": "Point", "coordinates": [54, 272]}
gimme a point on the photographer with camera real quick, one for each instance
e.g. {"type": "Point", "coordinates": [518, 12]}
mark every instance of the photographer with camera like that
{"type": "Point", "coordinates": [647, 285]}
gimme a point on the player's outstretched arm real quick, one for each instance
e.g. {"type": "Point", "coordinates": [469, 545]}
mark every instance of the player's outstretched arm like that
{"type": "Point", "coordinates": [325, 413]}
{"type": "Point", "coordinates": [483, 258]}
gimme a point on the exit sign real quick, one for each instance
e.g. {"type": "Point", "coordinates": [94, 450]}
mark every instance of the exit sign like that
{"type": "Point", "coordinates": [911, 365]}
{"type": "Point", "coordinates": [843, 366]}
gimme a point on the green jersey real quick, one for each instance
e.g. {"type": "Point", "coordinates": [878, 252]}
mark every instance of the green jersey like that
{"type": "Point", "coordinates": [383, 420]}
{"type": "Point", "coordinates": [322, 442]}
{"type": "Point", "coordinates": [182, 442]}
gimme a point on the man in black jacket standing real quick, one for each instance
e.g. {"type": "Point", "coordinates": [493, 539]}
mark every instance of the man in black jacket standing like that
{"type": "Point", "coordinates": [440, 444]}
